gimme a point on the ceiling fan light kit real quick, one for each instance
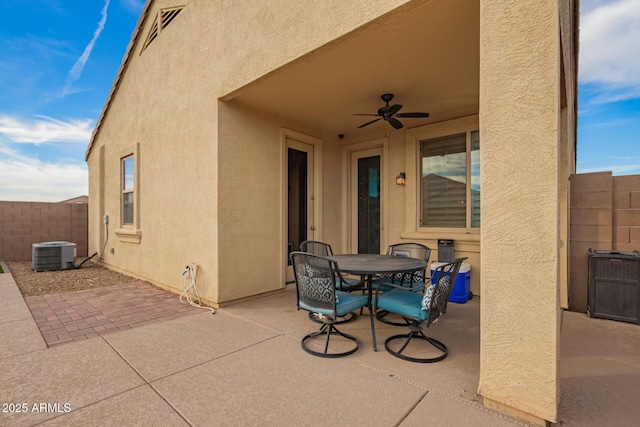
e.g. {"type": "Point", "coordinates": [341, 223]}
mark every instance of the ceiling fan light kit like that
{"type": "Point", "coordinates": [388, 113]}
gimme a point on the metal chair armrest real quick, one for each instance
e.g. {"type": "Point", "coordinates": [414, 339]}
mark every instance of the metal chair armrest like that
{"type": "Point", "coordinates": [414, 287]}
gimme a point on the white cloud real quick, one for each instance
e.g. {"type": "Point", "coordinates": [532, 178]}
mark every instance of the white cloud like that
{"type": "Point", "coordinates": [45, 129]}
{"type": "Point", "coordinates": [133, 5]}
{"type": "Point", "coordinates": [615, 169]}
{"type": "Point", "coordinates": [610, 123]}
{"type": "Point", "coordinates": [588, 5]}
{"type": "Point", "coordinates": [28, 179]}
{"type": "Point", "coordinates": [609, 38]}
{"type": "Point", "coordinates": [76, 70]}
{"type": "Point", "coordinates": [624, 157]}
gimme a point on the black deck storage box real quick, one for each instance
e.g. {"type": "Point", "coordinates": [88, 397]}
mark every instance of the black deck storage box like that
{"type": "Point", "coordinates": [614, 285]}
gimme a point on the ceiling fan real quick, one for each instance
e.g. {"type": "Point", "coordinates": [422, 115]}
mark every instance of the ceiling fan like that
{"type": "Point", "coordinates": [388, 113]}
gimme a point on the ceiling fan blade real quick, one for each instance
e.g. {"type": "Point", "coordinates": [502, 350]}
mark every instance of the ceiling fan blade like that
{"type": "Point", "coordinates": [394, 109]}
{"type": "Point", "coordinates": [389, 112]}
{"type": "Point", "coordinates": [413, 115]}
{"type": "Point", "coordinates": [368, 123]}
{"type": "Point", "coordinates": [395, 123]}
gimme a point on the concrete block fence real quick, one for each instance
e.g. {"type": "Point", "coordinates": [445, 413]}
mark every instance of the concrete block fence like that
{"type": "Point", "coordinates": [605, 215]}
{"type": "Point", "coordinates": [25, 223]}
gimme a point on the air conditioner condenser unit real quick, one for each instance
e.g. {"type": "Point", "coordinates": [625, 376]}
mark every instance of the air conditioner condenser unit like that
{"type": "Point", "coordinates": [47, 256]}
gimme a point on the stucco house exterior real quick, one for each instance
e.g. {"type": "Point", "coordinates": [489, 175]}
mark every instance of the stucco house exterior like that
{"type": "Point", "coordinates": [229, 136]}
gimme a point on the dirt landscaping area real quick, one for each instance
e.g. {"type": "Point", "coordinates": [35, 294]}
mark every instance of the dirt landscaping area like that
{"type": "Point", "coordinates": [90, 276]}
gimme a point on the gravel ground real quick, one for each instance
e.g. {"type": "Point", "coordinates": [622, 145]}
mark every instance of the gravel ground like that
{"type": "Point", "coordinates": [90, 276]}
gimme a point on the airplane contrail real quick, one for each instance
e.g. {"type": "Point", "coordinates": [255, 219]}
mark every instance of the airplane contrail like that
{"type": "Point", "coordinates": [76, 70]}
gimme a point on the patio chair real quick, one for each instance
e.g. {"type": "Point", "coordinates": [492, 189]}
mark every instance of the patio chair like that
{"type": "Point", "coordinates": [412, 280]}
{"type": "Point", "coordinates": [315, 247]}
{"type": "Point", "coordinates": [420, 308]}
{"type": "Point", "coordinates": [344, 283]}
{"type": "Point", "coordinates": [317, 293]}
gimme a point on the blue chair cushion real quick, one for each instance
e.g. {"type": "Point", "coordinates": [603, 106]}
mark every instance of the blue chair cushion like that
{"type": "Point", "coordinates": [345, 303]}
{"type": "Point", "coordinates": [405, 303]}
{"type": "Point", "coordinates": [349, 284]}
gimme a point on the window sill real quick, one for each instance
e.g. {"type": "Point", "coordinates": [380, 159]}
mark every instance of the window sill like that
{"type": "Point", "coordinates": [462, 235]}
{"type": "Point", "coordinates": [129, 235]}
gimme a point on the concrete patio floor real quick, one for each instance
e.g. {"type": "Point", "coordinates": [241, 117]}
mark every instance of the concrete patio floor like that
{"type": "Point", "coordinates": [244, 366]}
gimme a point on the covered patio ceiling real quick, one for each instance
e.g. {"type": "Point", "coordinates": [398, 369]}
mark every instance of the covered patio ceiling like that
{"type": "Point", "coordinates": [427, 54]}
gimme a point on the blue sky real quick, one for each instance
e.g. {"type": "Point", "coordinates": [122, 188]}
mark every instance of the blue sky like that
{"type": "Point", "coordinates": [58, 59]}
{"type": "Point", "coordinates": [609, 87]}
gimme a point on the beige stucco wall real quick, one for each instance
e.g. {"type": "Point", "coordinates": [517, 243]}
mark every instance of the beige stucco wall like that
{"type": "Point", "coordinates": [165, 110]}
{"type": "Point", "coordinates": [267, 35]}
{"type": "Point", "coordinates": [251, 209]}
{"type": "Point", "coordinates": [169, 115]}
{"type": "Point", "coordinates": [520, 125]}
{"type": "Point", "coordinates": [569, 23]}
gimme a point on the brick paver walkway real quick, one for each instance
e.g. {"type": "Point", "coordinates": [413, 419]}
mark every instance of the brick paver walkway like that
{"type": "Point", "coordinates": [76, 316]}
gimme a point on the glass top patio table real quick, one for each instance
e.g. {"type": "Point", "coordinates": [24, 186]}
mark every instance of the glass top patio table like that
{"type": "Point", "coordinates": [366, 265]}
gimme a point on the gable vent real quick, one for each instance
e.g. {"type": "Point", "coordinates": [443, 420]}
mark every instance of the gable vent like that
{"type": "Point", "coordinates": [153, 33]}
{"type": "Point", "coordinates": [162, 20]}
{"type": "Point", "coordinates": [166, 16]}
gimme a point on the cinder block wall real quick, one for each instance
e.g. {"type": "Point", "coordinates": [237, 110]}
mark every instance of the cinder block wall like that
{"type": "Point", "coordinates": [626, 213]}
{"type": "Point", "coordinates": [25, 223]}
{"type": "Point", "coordinates": [605, 215]}
{"type": "Point", "coordinates": [591, 219]}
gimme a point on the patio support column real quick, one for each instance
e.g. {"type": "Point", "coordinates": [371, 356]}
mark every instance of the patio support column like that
{"type": "Point", "coordinates": [520, 156]}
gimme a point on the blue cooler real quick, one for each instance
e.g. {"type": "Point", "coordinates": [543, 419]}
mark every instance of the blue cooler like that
{"type": "Point", "coordinates": [460, 292]}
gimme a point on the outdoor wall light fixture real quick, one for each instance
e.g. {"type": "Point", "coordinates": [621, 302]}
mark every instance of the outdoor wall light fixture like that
{"type": "Point", "coordinates": [401, 179]}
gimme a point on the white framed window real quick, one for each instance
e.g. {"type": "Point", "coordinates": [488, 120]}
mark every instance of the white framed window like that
{"type": "Point", "coordinates": [450, 181]}
{"type": "Point", "coordinates": [128, 191]}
